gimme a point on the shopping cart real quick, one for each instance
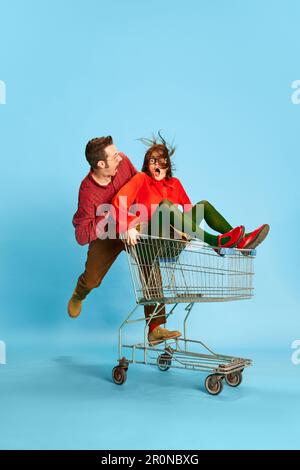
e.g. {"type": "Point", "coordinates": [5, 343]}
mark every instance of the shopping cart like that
{"type": "Point", "coordinates": [167, 271]}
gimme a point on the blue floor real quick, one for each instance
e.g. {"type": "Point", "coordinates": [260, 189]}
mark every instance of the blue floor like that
{"type": "Point", "coordinates": [61, 396]}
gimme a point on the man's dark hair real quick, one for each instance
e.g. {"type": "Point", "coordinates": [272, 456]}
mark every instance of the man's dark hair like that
{"type": "Point", "coordinates": [95, 150]}
{"type": "Point", "coordinates": [158, 145]}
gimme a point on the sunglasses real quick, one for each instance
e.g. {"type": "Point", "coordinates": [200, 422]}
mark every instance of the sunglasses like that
{"type": "Point", "coordinates": [161, 161]}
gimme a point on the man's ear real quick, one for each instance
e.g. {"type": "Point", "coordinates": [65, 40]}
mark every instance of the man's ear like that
{"type": "Point", "coordinates": [101, 164]}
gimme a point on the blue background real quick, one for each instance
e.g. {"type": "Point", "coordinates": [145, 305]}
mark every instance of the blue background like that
{"type": "Point", "coordinates": [215, 76]}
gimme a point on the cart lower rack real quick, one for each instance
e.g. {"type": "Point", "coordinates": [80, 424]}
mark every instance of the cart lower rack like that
{"type": "Point", "coordinates": [165, 271]}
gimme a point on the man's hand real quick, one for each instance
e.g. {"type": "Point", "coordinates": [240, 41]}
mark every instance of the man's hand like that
{"type": "Point", "coordinates": [132, 236]}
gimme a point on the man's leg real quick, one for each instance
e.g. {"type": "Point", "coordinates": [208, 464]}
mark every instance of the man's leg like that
{"type": "Point", "coordinates": [100, 257]}
{"type": "Point", "coordinates": [152, 283]}
{"type": "Point", "coordinates": [156, 321]}
{"type": "Point", "coordinates": [152, 286]}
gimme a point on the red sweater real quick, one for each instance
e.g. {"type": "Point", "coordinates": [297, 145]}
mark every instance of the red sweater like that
{"type": "Point", "coordinates": [142, 189]}
{"type": "Point", "coordinates": [92, 194]}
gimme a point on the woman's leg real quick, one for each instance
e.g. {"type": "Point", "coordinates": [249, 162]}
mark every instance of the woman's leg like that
{"type": "Point", "coordinates": [212, 217]}
{"type": "Point", "coordinates": [218, 223]}
{"type": "Point", "coordinates": [168, 214]}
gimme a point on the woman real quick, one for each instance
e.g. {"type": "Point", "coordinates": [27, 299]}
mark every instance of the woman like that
{"type": "Point", "coordinates": [158, 192]}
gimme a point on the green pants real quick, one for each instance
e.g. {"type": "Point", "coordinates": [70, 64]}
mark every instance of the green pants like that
{"type": "Point", "coordinates": [168, 217]}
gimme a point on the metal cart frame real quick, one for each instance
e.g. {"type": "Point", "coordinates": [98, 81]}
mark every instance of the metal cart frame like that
{"type": "Point", "coordinates": [168, 271]}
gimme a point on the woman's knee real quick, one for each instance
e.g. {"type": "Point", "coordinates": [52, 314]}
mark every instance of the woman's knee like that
{"type": "Point", "coordinates": [166, 202]}
{"type": "Point", "coordinates": [204, 202]}
{"type": "Point", "coordinates": [206, 205]}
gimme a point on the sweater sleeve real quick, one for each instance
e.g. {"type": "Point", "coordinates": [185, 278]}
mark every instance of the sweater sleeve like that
{"type": "Point", "coordinates": [85, 221]}
{"type": "Point", "coordinates": [124, 199]}
{"type": "Point", "coordinates": [132, 168]}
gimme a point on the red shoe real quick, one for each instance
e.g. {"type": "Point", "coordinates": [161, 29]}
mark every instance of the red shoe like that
{"type": "Point", "coordinates": [254, 238]}
{"type": "Point", "coordinates": [235, 236]}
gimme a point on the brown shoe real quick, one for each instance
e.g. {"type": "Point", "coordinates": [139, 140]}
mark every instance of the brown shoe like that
{"type": "Point", "coordinates": [74, 306]}
{"type": "Point", "coordinates": [159, 335]}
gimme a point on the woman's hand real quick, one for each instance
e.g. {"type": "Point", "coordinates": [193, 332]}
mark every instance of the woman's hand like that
{"type": "Point", "coordinates": [132, 236]}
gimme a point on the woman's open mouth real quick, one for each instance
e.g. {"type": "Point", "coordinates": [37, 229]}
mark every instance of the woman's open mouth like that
{"type": "Point", "coordinates": [157, 172]}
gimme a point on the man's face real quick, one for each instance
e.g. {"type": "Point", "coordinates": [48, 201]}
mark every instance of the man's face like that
{"type": "Point", "coordinates": [158, 166]}
{"type": "Point", "coordinates": [113, 159]}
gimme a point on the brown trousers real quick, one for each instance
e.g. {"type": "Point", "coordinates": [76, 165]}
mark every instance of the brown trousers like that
{"type": "Point", "coordinates": [100, 257]}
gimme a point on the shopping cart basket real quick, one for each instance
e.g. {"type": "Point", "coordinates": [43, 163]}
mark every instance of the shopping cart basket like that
{"type": "Point", "coordinates": [166, 271]}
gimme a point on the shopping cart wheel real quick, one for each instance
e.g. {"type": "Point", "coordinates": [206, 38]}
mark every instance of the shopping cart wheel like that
{"type": "Point", "coordinates": [164, 362]}
{"type": "Point", "coordinates": [234, 379]}
{"type": "Point", "coordinates": [119, 375]}
{"type": "Point", "coordinates": [214, 384]}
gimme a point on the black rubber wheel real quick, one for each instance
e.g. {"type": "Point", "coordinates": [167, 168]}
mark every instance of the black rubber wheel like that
{"type": "Point", "coordinates": [164, 362]}
{"type": "Point", "coordinates": [119, 375]}
{"type": "Point", "coordinates": [234, 379]}
{"type": "Point", "coordinates": [213, 384]}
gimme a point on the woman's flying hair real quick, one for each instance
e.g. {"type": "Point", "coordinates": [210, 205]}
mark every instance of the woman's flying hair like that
{"type": "Point", "coordinates": [159, 146]}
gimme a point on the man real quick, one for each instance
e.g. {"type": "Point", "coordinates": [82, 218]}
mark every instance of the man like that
{"type": "Point", "coordinates": [110, 170]}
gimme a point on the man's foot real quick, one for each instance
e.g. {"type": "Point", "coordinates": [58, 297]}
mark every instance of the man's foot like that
{"type": "Point", "coordinates": [253, 239]}
{"type": "Point", "coordinates": [159, 335]}
{"type": "Point", "coordinates": [231, 238]}
{"type": "Point", "coordinates": [74, 306]}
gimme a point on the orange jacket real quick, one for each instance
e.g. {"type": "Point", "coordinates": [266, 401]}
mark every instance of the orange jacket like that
{"type": "Point", "coordinates": [142, 189]}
